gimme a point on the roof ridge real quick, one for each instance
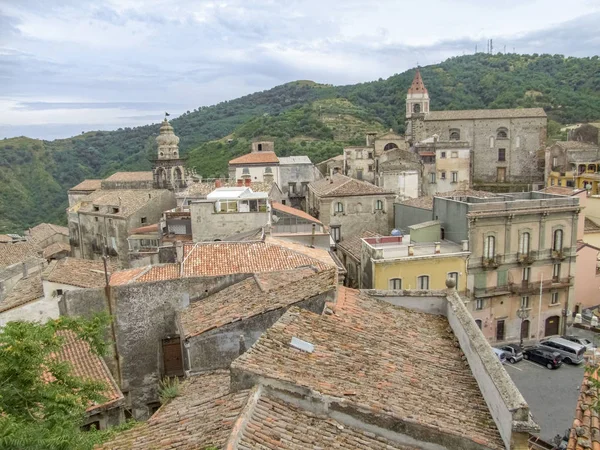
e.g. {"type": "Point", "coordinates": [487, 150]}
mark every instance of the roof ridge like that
{"type": "Point", "coordinates": [239, 426]}
{"type": "Point", "coordinates": [343, 184]}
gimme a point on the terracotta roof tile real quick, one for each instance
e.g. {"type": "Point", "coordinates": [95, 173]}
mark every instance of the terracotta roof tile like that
{"type": "Point", "coordinates": [353, 245]}
{"type": "Point", "coordinates": [44, 231]}
{"type": "Point", "coordinates": [417, 86]}
{"type": "Point", "coordinates": [420, 202]}
{"type": "Point", "coordinates": [83, 273]}
{"type": "Point", "coordinates": [576, 145]}
{"type": "Point", "coordinates": [201, 416]}
{"type": "Point", "coordinates": [585, 432]}
{"type": "Point", "coordinates": [130, 176]}
{"type": "Point", "coordinates": [87, 365]}
{"type": "Point", "coordinates": [87, 185]}
{"type": "Point", "coordinates": [255, 295]}
{"type": "Point", "coordinates": [379, 358]}
{"type": "Point", "coordinates": [55, 248]}
{"type": "Point", "coordinates": [126, 276]}
{"type": "Point", "coordinates": [18, 252]}
{"type": "Point", "coordinates": [294, 212]}
{"type": "Point", "coordinates": [468, 114]}
{"type": "Point", "coordinates": [339, 185]}
{"type": "Point", "coordinates": [256, 158]}
{"type": "Point", "coordinates": [321, 254]}
{"type": "Point", "coordinates": [560, 190]}
{"type": "Point", "coordinates": [145, 229]}
{"type": "Point", "coordinates": [26, 290]}
{"type": "Point", "coordinates": [5, 238]}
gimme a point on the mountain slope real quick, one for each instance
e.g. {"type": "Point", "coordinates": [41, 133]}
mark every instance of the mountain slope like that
{"type": "Point", "coordinates": [303, 117]}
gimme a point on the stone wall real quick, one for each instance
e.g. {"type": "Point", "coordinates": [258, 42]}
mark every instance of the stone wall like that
{"type": "Point", "coordinates": [9, 276]}
{"type": "Point", "coordinates": [208, 225]}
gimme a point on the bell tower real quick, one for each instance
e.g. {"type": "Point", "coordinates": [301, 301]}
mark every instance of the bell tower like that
{"type": "Point", "coordinates": [169, 169]}
{"type": "Point", "coordinates": [417, 106]}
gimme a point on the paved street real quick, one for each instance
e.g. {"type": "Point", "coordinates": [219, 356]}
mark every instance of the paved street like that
{"type": "Point", "coordinates": [551, 394]}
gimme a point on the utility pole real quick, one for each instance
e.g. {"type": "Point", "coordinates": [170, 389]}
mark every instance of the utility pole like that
{"type": "Point", "coordinates": [491, 47]}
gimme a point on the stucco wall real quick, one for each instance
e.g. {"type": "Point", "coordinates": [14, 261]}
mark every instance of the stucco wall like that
{"type": "Point", "coordinates": [587, 282]}
{"type": "Point", "coordinates": [298, 174]}
{"type": "Point", "coordinates": [459, 164]}
{"type": "Point", "coordinates": [257, 173]}
{"type": "Point", "coordinates": [207, 225]}
{"type": "Point", "coordinates": [405, 183]}
{"type": "Point", "coordinates": [405, 216]}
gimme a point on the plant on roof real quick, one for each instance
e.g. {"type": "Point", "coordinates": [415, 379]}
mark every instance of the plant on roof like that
{"type": "Point", "coordinates": [593, 384]}
{"type": "Point", "coordinates": [169, 389]}
{"type": "Point", "coordinates": [42, 404]}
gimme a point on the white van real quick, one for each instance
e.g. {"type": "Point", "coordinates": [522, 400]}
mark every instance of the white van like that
{"type": "Point", "coordinates": [571, 352]}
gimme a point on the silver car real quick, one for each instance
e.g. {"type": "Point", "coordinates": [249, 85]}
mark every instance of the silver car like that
{"type": "Point", "coordinates": [581, 341]}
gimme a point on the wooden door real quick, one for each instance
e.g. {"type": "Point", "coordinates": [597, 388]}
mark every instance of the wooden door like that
{"type": "Point", "coordinates": [172, 361]}
{"type": "Point", "coordinates": [501, 174]}
{"type": "Point", "coordinates": [552, 326]}
{"type": "Point", "coordinates": [525, 329]}
{"type": "Point", "coordinates": [500, 330]}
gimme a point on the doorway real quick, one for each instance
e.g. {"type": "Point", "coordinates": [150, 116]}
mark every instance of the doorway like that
{"type": "Point", "coordinates": [525, 329]}
{"type": "Point", "coordinates": [172, 361]}
{"type": "Point", "coordinates": [501, 174]}
{"type": "Point", "coordinates": [552, 324]}
{"type": "Point", "coordinates": [500, 330]}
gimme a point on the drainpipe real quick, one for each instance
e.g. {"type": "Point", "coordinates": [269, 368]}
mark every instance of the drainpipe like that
{"type": "Point", "coordinates": [107, 293]}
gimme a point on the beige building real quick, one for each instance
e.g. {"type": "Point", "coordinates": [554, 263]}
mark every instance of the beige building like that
{"type": "Point", "coordinates": [446, 165]}
{"type": "Point", "coordinates": [349, 207]}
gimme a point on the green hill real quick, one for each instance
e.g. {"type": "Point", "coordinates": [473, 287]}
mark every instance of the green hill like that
{"type": "Point", "coordinates": [302, 117]}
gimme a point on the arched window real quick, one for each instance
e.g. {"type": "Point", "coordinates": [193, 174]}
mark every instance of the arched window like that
{"type": "Point", "coordinates": [379, 205]}
{"type": "Point", "coordinates": [390, 146]}
{"type": "Point", "coordinates": [454, 134]}
{"type": "Point", "coordinates": [395, 283]}
{"type": "Point", "coordinates": [339, 207]}
{"type": "Point", "coordinates": [557, 241]}
{"type": "Point", "coordinates": [502, 133]}
{"type": "Point", "coordinates": [478, 323]}
{"type": "Point", "coordinates": [489, 247]}
{"type": "Point", "coordinates": [524, 243]}
{"type": "Point", "coordinates": [416, 108]}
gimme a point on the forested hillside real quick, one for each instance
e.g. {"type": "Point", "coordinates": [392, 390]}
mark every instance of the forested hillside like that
{"type": "Point", "coordinates": [303, 117]}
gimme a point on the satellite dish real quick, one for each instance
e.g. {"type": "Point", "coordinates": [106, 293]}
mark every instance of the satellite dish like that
{"type": "Point", "coordinates": [275, 218]}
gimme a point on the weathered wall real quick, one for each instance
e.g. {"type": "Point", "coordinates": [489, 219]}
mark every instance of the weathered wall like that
{"type": "Point", "coordinates": [587, 283]}
{"type": "Point", "coordinates": [9, 276]}
{"type": "Point", "coordinates": [447, 161]}
{"type": "Point", "coordinates": [298, 174]}
{"type": "Point", "coordinates": [360, 159]}
{"type": "Point", "coordinates": [405, 183]}
{"type": "Point", "coordinates": [40, 310]}
{"type": "Point", "coordinates": [208, 225]}
{"type": "Point", "coordinates": [217, 348]}
{"type": "Point", "coordinates": [257, 172]}
{"type": "Point", "coordinates": [425, 232]}
{"type": "Point", "coordinates": [405, 216]}
{"type": "Point", "coordinates": [453, 218]}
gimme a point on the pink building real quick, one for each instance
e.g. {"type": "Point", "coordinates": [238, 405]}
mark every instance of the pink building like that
{"type": "Point", "coordinates": [587, 282]}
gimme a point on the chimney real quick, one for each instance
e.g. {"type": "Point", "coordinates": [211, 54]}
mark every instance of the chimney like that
{"type": "Point", "coordinates": [247, 182]}
{"type": "Point", "coordinates": [179, 250]}
{"type": "Point", "coordinates": [218, 183]}
{"type": "Point", "coordinates": [438, 247]}
{"type": "Point", "coordinates": [465, 246]}
{"type": "Point", "coordinates": [240, 182]}
{"type": "Point", "coordinates": [411, 250]}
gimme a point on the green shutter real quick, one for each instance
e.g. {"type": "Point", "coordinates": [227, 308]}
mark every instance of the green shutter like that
{"type": "Point", "coordinates": [480, 280]}
{"type": "Point", "coordinates": [502, 275]}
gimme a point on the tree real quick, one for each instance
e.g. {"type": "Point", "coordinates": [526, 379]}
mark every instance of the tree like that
{"type": "Point", "coordinates": [42, 405]}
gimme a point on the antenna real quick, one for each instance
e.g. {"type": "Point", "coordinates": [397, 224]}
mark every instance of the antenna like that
{"type": "Point", "coordinates": [491, 47]}
{"type": "Point", "coordinates": [504, 48]}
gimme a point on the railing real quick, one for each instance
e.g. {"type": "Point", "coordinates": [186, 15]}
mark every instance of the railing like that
{"type": "Point", "coordinates": [491, 291]}
{"type": "Point", "coordinates": [554, 283]}
{"type": "Point", "coordinates": [526, 258]}
{"type": "Point", "coordinates": [491, 263]}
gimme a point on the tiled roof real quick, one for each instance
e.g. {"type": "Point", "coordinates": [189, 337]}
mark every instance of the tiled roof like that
{"type": "Point", "coordinates": [127, 200]}
{"type": "Point", "coordinates": [320, 254]}
{"type": "Point", "coordinates": [419, 202]}
{"type": "Point", "coordinates": [353, 245]}
{"type": "Point", "coordinates": [131, 176]}
{"type": "Point", "coordinates": [560, 190]}
{"type": "Point", "coordinates": [84, 273]}
{"type": "Point", "coordinates": [5, 238]}
{"type": "Point", "coordinates": [339, 185]}
{"type": "Point", "coordinates": [87, 365]}
{"type": "Point", "coordinates": [145, 229]}
{"type": "Point", "coordinates": [294, 160]}
{"type": "Point", "coordinates": [201, 416]}
{"type": "Point", "coordinates": [44, 231]}
{"type": "Point", "coordinates": [26, 290]}
{"type": "Point", "coordinates": [579, 145]}
{"type": "Point", "coordinates": [255, 295]}
{"type": "Point", "coordinates": [517, 113]}
{"type": "Point", "coordinates": [256, 158]}
{"type": "Point", "coordinates": [294, 212]}
{"type": "Point", "coordinates": [417, 86]}
{"type": "Point", "coordinates": [87, 185]}
{"type": "Point", "coordinates": [585, 432]}
{"type": "Point", "coordinates": [18, 252]}
{"type": "Point", "coordinates": [590, 226]}
{"type": "Point", "coordinates": [126, 276]}
{"type": "Point", "coordinates": [55, 248]}
{"type": "Point", "coordinates": [378, 358]}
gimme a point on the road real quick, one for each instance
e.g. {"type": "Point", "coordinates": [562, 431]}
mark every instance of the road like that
{"type": "Point", "coordinates": [551, 394]}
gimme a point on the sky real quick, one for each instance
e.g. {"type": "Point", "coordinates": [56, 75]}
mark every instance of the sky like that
{"type": "Point", "coordinates": [68, 66]}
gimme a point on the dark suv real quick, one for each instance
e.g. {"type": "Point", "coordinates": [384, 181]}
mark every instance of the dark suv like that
{"type": "Point", "coordinates": [552, 360]}
{"type": "Point", "coordinates": [514, 353]}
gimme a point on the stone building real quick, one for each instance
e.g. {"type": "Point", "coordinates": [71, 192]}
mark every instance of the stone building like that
{"type": "Point", "coordinates": [296, 173]}
{"type": "Point", "coordinates": [18, 259]}
{"type": "Point", "coordinates": [446, 165]}
{"type": "Point", "coordinates": [349, 207]}
{"type": "Point", "coordinates": [588, 132]}
{"type": "Point", "coordinates": [46, 234]}
{"type": "Point", "coordinates": [83, 189]}
{"type": "Point", "coordinates": [349, 251]}
{"type": "Point", "coordinates": [504, 143]}
{"type": "Point", "coordinates": [201, 189]}
{"type": "Point", "coordinates": [573, 164]}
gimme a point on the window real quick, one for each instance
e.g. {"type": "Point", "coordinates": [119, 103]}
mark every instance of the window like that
{"type": "Point", "coordinates": [115, 210]}
{"type": "Point", "coordinates": [525, 302]}
{"type": "Point", "coordinates": [455, 177]}
{"type": "Point", "coordinates": [336, 233]}
{"type": "Point", "coordinates": [370, 155]}
{"type": "Point", "coordinates": [423, 282]}
{"type": "Point", "coordinates": [379, 205]}
{"type": "Point", "coordinates": [370, 167]}
{"type": "Point", "coordinates": [526, 274]}
{"type": "Point", "coordinates": [557, 242]}
{"type": "Point", "coordinates": [96, 208]}
{"type": "Point", "coordinates": [502, 133]}
{"type": "Point", "coordinates": [143, 220]}
{"type": "Point", "coordinates": [443, 175]}
{"type": "Point", "coordinates": [96, 219]}
{"type": "Point", "coordinates": [501, 154]}
{"type": "Point", "coordinates": [478, 323]}
{"type": "Point", "coordinates": [442, 155]}
{"type": "Point", "coordinates": [518, 141]}
{"type": "Point", "coordinates": [59, 292]}
{"type": "Point", "coordinates": [454, 277]}
{"type": "Point", "coordinates": [556, 272]}
{"type": "Point", "coordinates": [359, 174]}
{"type": "Point", "coordinates": [416, 108]}
{"type": "Point", "coordinates": [292, 188]}
{"type": "Point", "coordinates": [454, 134]}
{"type": "Point", "coordinates": [339, 207]}
{"type": "Point", "coordinates": [479, 304]}
{"type": "Point", "coordinates": [489, 247]}
{"type": "Point", "coordinates": [432, 177]}
{"type": "Point", "coordinates": [554, 162]}
{"type": "Point", "coordinates": [260, 147]}
{"type": "Point", "coordinates": [570, 183]}
{"type": "Point", "coordinates": [396, 283]}
{"type": "Point", "coordinates": [524, 243]}
{"type": "Point", "coordinates": [554, 300]}
{"type": "Point", "coordinates": [454, 155]}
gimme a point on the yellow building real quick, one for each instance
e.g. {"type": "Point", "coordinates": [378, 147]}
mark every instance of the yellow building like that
{"type": "Point", "coordinates": [393, 262]}
{"type": "Point", "coordinates": [586, 176]}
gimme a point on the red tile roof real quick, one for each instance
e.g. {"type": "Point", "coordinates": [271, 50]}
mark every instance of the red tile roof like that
{"type": "Point", "coordinates": [353, 245]}
{"type": "Point", "coordinates": [18, 252]}
{"type": "Point", "coordinates": [339, 185]}
{"type": "Point", "coordinates": [57, 247]}
{"type": "Point", "coordinates": [294, 212]}
{"type": "Point", "coordinates": [145, 229]}
{"type": "Point", "coordinates": [87, 185]}
{"type": "Point", "coordinates": [381, 359]}
{"type": "Point", "coordinates": [417, 86]}
{"type": "Point", "coordinates": [585, 432]}
{"type": "Point", "coordinates": [44, 231]}
{"type": "Point", "coordinates": [131, 176]}
{"type": "Point", "coordinates": [256, 158]}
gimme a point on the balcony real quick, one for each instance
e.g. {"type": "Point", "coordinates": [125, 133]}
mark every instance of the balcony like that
{"type": "Point", "coordinates": [492, 291]}
{"type": "Point", "coordinates": [491, 263]}
{"type": "Point", "coordinates": [559, 255]}
{"type": "Point", "coordinates": [526, 258]}
{"type": "Point", "coordinates": [526, 287]}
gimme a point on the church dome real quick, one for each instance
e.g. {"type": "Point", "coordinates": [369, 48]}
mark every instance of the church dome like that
{"type": "Point", "coordinates": [166, 136]}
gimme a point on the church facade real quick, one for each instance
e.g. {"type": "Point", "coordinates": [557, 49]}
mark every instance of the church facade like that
{"type": "Point", "coordinates": [505, 144]}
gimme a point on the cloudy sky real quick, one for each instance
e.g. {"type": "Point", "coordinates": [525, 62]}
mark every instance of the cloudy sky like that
{"type": "Point", "coordinates": [68, 66]}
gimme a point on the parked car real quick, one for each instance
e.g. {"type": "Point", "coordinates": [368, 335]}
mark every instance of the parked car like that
{"type": "Point", "coordinates": [550, 359]}
{"type": "Point", "coordinates": [581, 341]}
{"type": "Point", "coordinates": [571, 352]}
{"type": "Point", "coordinates": [514, 352]}
{"type": "Point", "coordinates": [501, 354]}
